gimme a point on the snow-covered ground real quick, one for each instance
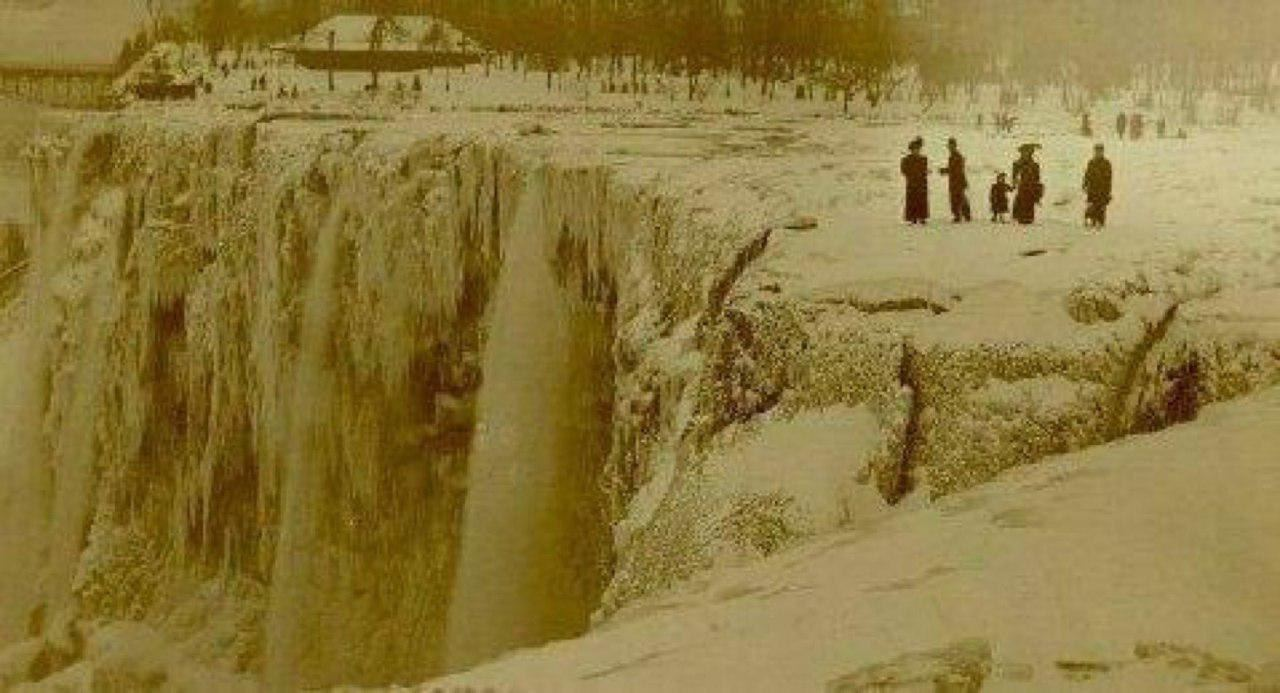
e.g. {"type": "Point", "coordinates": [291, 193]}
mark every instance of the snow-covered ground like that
{"type": "Point", "coordinates": [776, 380]}
{"type": "Point", "coordinates": [1149, 564]}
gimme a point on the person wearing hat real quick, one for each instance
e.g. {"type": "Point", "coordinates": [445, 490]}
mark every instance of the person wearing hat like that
{"type": "Point", "coordinates": [957, 184]}
{"type": "Point", "coordinates": [1097, 188]}
{"type": "Point", "coordinates": [915, 168]}
{"type": "Point", "coordinates": [1027, 183]}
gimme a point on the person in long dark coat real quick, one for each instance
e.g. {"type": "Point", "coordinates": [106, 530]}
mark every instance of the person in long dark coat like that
{"type": "Point", "coordinates": [915, 168]}
{"type": "Point", "coordinates": [1097, 188]}
{"type": "Point", "coordinates": [1026, 180]}
{"type": "Point", "coordinates": [1122, 124]}
{"type": "Point", "coordinates": [957, 183]}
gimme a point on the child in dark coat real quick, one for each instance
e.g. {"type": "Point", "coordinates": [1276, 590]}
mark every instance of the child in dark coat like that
{"type": "Point", "coordinates": [1000, 198]}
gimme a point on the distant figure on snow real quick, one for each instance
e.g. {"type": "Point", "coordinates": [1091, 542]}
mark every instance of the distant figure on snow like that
{"type": "Point", "coordinates": [1162, 128]}
{"type": "Point", "coordinates": [915, 168]}
{"type": "Point", "coordinates": [1136, 125]}
{"type": "Point", "coordinates": [1086, 125]}
{"type": "Point", "coordinates": [1026, 180]}
{"type": "Point", "coordinates": [1122, 124]}
{"type": "Point", "coordinates": [1097, 188]}
{"type": "Point", "coordinates": [1000, 198]}
{"type": "Point", "coordinates": [957, 183]}
{"type": "Point", "coordinates": [1005, 123]}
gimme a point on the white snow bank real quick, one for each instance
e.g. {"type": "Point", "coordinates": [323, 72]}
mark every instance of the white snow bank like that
{"type": "Point", "coordinates": [810, 462]}
{"type": "Point", "coordinates": [1076, 569]}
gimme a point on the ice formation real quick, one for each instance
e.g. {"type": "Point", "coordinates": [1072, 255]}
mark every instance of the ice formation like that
{"type": "Point", "coordinates": [245, 389]}
{"type": "Point", "coordinates": [339, 404]}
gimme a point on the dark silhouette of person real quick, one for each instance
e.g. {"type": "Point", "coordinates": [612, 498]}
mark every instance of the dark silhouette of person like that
{"type": "Point", "coordinates": [915, 168]}
{"type": "Point", "coordinates": [957, 183]}
{"type": "Point", "coordinates": [1000, 198]}
{"type": "Point", "coordinates": [1026, 180]}
{"type": "Point", "coordinates": [1086, 125]}
{"type": "Point", "coordinates": [1097, 188]}
{"type": "Point", "coordinates": [1136, 125]}
{"type": "Point", "coordinates": [1122, 124]}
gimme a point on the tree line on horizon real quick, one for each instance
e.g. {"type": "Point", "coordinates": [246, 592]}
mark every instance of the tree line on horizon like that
{"type": "Point", "coordinates": [849, 48]}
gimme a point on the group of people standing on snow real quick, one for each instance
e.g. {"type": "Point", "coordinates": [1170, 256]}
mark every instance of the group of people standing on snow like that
{"type": "Point", "coordinates": [1027, 186]}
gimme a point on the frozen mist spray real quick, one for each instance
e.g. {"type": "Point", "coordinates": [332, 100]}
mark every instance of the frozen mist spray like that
{"type": "Point", "coordinates": [47, 478]}
{"type": "Point", "coordinates": [516, 583]}
{"type": "Point", "coordinates": [309, 447]}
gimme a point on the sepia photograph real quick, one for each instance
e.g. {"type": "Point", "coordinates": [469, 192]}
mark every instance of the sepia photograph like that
{"type": "Point", "coordinates": [723, 346]}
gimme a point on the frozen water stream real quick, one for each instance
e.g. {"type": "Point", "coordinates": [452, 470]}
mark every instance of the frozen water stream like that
{"type": "Point", "coordinates": [515, 582]}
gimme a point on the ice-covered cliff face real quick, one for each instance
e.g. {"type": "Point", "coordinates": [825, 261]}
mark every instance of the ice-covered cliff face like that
{"type": "Point", "coordinates": [256, 371]}
{"type": "Point", "coordinates": [339, 404]}
{"type": "Point", "coordinates": [217, 355]}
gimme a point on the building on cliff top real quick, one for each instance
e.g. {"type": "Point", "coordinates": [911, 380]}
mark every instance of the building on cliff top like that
{"type": "Point", "coordinates": [363, 43]}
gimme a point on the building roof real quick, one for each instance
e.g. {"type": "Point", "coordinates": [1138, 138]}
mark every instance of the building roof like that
{"type": "Point", "coordinates": [409, 33]}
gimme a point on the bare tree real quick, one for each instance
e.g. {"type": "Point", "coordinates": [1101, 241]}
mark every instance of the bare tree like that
{"type": "Point", "coordinates": [866, 55]}
{"type": "Point", "coordinates": [218, 24]}
{"type": "Point", "coordinates": [384, 27]}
